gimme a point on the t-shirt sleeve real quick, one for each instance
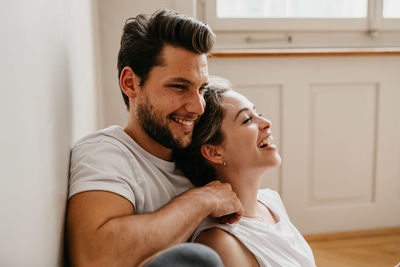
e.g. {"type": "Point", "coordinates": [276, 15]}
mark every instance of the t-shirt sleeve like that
{"type": "Point", "coordinates": [101, 166]}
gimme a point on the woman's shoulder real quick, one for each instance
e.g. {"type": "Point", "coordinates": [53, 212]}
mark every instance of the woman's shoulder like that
{"type": "Point", "coordinates": [230, 249]}
{"type": "Point", "coordinates": [215, 235]}
{"type": "Point", "coordinates": [207, 224]}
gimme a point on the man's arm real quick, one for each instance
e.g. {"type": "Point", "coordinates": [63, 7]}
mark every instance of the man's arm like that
{"type": "Point", "coordinates": [102, 229]}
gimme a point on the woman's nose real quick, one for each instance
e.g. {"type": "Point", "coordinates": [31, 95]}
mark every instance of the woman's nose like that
{"type": "Point", "coordinates": [264, 124]}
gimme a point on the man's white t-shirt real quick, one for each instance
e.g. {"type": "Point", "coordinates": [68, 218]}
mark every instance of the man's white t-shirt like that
{"type": "Point", "coordinates": [110, 160]}
{"type": "Point", "coordinates": [279, 244]}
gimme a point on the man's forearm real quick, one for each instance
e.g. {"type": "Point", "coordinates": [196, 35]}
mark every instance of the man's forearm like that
{"type": "Point", "coordinates": [104, 234]}
{"type": "Point", "coordinates": [137, 237]}
{"type": "Point", "coordinates": [127, 240]}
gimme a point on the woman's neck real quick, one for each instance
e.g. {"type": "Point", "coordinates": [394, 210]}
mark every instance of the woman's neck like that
{"type": "Point", "coordinates": [246, 187]}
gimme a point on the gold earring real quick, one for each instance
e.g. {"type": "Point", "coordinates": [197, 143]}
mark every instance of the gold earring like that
{"type": "Point", "coordinates": [224, 163]}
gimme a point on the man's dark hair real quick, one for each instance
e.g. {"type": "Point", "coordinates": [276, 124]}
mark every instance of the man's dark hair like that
{"type": "Point", "coordinates": [144, 36]}
{"type": "Point", "coordinates": [207, 131]}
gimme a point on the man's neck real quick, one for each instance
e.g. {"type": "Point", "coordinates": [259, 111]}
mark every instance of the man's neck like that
{"type": "Point", "coordinates": [147, 143]}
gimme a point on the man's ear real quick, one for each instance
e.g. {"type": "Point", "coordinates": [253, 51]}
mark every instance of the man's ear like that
{"type": "Point", "coordinates": [129, 82]}
{"type": "Point", "coordinates": [212, 153]}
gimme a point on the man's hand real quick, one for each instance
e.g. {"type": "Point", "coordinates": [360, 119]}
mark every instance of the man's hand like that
{"type": "Point", "coordinates": [226, 205]}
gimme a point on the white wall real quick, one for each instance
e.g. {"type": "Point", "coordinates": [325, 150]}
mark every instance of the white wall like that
{"type": "Point", "coordinates": [44, 76]}
{"type": "Point", "coordinates": [84, 67]}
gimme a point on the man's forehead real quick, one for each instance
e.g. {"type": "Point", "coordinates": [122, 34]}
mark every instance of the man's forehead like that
{"type": "Point", "coordinates": [170, 51]}
{"type": "Point", "coordinates": [183, 66]}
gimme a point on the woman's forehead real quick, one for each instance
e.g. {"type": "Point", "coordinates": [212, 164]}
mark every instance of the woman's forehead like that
{"type": "Point", "coordinates": [235, 101]}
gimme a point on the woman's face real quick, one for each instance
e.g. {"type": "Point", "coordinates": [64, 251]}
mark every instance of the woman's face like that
{"type": "Point", "coordinates": [247, 135]}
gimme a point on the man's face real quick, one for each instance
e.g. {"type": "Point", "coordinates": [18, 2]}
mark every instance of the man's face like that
{"type": "Point", "coordinates": [171, 100]}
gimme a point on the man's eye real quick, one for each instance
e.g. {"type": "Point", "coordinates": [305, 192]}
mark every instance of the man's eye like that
{"type": "Point", "coordinates": [179, 86]}
{"type": "Point", "coordinates": [249, 119]}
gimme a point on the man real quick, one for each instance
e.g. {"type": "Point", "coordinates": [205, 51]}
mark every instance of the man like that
{"type": "Point", "coordinates": [127, 202]}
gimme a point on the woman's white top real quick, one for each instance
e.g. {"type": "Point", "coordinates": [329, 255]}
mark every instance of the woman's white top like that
{"type": "Point", "coordinates": [279, 244]}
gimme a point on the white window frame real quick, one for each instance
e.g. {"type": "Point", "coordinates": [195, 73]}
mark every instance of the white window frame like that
{"type": "Point", "coordinates": [237, 33]}
{"type": "Point", "coordinates": [373, 22]}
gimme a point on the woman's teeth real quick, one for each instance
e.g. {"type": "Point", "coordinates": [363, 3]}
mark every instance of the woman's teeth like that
{"type": "Point", "coordinates": [266, 142]}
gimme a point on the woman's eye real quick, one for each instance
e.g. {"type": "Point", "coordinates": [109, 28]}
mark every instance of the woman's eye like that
{"type": "Point", "coordinates": [249, 119]}
{"type": "Point", "coordinates": [202, 90]}
{"type": "Point", "coordinates": [260, 115]}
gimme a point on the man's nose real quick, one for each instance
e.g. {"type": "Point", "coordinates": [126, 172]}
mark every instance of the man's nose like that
{"type": "Point", "coordinates": [196, 103]}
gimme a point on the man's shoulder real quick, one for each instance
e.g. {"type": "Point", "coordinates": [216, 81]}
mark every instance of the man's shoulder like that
{"type": "Point", "coordinates": [101, 161]}
{"type": "Point", "coordinates": [108, 134]}
{"type": "Point", "coordinates": [110, 138]}
{"type": "Point", "coordinates": [111, 143]}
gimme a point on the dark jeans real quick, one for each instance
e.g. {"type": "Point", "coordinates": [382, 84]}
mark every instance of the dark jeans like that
{"type": "Point", "coordinates": [185, 255]}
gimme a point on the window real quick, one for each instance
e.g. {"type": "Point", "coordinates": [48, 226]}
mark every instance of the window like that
{"type": "Point", "coordinates": [391, 9]}
{"type": "Point", "coordinates": [292, 9]}
{"type": "Point", "coordinates": [304, 23]}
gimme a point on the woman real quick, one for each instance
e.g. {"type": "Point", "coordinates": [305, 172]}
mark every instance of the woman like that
{"type": "Point", "coordinates": [232, 143]}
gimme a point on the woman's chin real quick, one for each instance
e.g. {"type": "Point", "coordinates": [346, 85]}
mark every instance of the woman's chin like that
{"type": "Point", "coordinates": [278, 160]}
{"type": "Point", "coordinates": [274, 162]}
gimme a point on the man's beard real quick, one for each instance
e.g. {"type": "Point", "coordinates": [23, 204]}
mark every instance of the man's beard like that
{"type": "Point", "coordinates": [154, 125]}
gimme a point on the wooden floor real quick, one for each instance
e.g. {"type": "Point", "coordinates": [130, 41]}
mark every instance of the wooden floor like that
{"type": "Point", "coordinates": [364, 248]}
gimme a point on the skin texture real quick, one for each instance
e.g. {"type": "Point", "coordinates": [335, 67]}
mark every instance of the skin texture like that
{"type": "Point", "coordinates": [102, 227]}
{"type": "Point", "coordinates": [246, 163]}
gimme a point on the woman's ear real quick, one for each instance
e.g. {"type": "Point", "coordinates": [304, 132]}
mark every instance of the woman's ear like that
{"type": "Point", "coordinates": [129, 82]}
{"type": "Point", "coordinates": [212, 153]}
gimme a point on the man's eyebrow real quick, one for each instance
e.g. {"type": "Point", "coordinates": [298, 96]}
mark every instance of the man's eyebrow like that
{"type": "Point", "coordinates": [183, 80]}
{"type": "Point", "coordinates": [180, 80]}
{"type": "Point", "coordinates": [241, 110]}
